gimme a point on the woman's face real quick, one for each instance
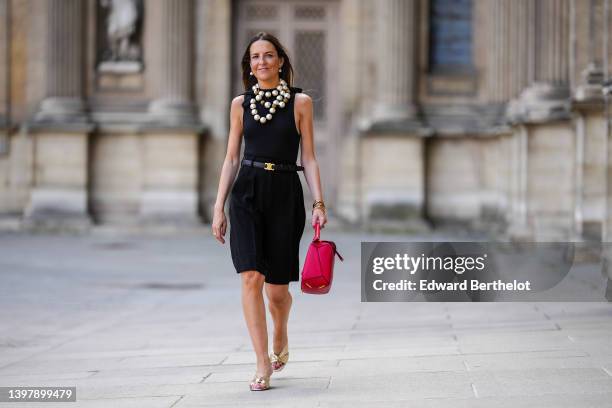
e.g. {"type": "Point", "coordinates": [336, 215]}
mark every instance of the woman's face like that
{"type": "Point", "coordinates": [265, 61]}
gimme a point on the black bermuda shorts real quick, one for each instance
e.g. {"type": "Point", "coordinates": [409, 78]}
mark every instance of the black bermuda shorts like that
{"type": "Point", "coordinates": [267, 219]}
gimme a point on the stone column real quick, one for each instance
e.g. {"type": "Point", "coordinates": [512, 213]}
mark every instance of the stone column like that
{"type": "Point", "coordinates": [523, 44]}
{"type": "Point", "coordinates": [587, 78]}
{"type": "Point", "coordinates": [4, 64]}
{"type": "Point", "coordinates": [552, 31]}
{"type": "Point", "coordinates": [548, 96]}
{"type": "Point", "coordinates": [396, 65]}
{"type": "Point", "coordinates": [607, 222]}
{"type": "Point", "coordinates": [173, 61]}
{"type": "Point", "coordinates": [394, 129]}
{"type": "Point", "coordinates": [170, 146]}
{"type": "Point", "coordinates": [508, 55]}
{"type": "Point", "coordinates": [591, 76]}
{"type": "Point", "coordinates": [63, 100]}
{"type": "Point", "coordinates": [511, 62]}
{"type": "Point", "coordinates": [498, 51]}
{"type": "Point", "coordinates": [547, 203]}
{"type": "Point", "coordinates": [60, 129]}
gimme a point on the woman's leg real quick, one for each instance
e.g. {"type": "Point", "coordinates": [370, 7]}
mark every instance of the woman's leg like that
{"type": "Point", "coordinates": [279, 303]}
{"type": "Point", "coordinates": [255, 316]}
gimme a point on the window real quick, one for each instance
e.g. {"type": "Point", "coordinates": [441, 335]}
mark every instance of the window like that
{"type": "Point", "coordinates": [450, 36]}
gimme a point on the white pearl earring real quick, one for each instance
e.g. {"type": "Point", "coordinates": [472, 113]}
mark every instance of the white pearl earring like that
{"type": "Point", "coordinates": [251, 73]}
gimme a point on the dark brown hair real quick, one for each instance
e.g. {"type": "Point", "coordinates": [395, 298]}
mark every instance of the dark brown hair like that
{"type": "Point", "coordinates": [287, 70]}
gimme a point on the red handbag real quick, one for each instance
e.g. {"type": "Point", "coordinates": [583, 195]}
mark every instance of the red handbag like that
{"type": "Point", "coordinates": [318, 270]}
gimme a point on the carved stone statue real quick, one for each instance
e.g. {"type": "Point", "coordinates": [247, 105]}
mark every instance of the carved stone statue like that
{"type": "Point", "coordinates": [121, 24]}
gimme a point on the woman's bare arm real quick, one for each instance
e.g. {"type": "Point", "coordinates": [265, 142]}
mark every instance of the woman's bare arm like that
{"type": "Point", "coordinates": [230, 167]}
{"type": "Point", "coordinates": [308, 158]}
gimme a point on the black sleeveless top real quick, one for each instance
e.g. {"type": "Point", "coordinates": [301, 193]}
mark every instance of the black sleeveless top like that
{"type": "Point", "coordinates": [276, 140]}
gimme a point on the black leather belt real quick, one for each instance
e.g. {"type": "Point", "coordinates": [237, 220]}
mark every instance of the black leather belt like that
{"type": "Point", "coordinates": [272, 166]}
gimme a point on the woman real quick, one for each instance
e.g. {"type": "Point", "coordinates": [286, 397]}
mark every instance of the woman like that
{"type": "Point", "coordinates": [266, 209]}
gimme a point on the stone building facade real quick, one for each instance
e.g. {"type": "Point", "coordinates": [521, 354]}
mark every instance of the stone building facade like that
{"type": "Point", "coordinates": [483, 112]}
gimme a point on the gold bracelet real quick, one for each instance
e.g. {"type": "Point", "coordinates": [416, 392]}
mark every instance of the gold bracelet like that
{"type": "Point", "coordinates": [318, 202]}
{"type": "Point", "coordinates": [320, 205]}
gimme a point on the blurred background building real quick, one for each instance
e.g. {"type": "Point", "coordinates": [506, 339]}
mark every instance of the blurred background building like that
{"type": "Point", "coordinates": [488, 113]}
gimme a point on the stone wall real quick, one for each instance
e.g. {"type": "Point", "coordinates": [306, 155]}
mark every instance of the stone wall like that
{"type": "Point", "coordinates": [515, 144]}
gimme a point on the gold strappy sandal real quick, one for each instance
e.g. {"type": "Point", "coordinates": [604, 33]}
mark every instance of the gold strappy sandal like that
{"type": "Point", "coordinates": [260, 383]}
{"type": "Point", "coordinates": [280, 360]}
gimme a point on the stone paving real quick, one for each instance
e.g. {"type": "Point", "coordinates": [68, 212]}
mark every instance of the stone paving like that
{"type": "Point", "coordinates": [156, 321]}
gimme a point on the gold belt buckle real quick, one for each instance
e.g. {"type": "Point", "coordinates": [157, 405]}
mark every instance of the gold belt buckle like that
{"type": "Point", "coordinates": [269, 166]}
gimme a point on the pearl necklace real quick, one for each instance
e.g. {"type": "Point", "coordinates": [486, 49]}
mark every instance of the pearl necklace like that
{"type": "Point", "coordinates": [281, 96]}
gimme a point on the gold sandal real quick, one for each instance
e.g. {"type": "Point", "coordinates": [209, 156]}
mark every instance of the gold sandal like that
{"type": "Point", "coordinates": [280, 360]}
{"type": "Point", "coordinates": [260, 383]}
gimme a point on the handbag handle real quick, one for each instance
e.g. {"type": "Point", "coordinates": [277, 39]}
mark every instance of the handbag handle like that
{"type": "Point", "coordinates": [317, 237]}
{"type": "Point", "coordinates": [317, 234]}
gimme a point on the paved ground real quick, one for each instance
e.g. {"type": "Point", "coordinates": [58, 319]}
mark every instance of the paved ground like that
{"type": "Point", "coordinates": [157, 322]}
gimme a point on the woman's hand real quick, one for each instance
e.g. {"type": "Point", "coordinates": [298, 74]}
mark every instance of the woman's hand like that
{"type": "Point", "coordinates": [219, 225]}
{"type": "Point", "coordinates": [318, 215]}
